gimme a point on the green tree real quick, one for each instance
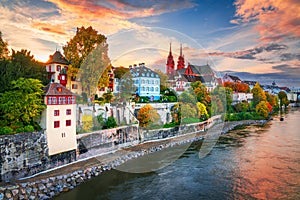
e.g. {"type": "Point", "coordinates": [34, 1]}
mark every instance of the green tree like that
{"type": "Point", "coordinates": [3, 48]}
{"type": "Point", "coordinates": [21, 64]}
{"type": "Point", "coordinates": [94, 69]}
{"type": "Point", "coordinates": [283, 100]}
{"type": "Point", "coordinates": [148, 116]}
{"type": "Point", "coordinates": [163, 80]}
{"type": "Point", "coordinates": [110, 123]}
{"type": "Point", "coordinates": [188, 111]}
{"type": "Point", "coordinates": [23, 103]}
{"type": "Point", "coordinates": [81, 45]}
{"type": "Point", "coordinates": [258, 94]}
{"type": "Point", "coordinates": [120, 71]}
{"type": "Point", "coordinates": [262, 109]}
{"type": "Point", "coordinates": [187, 97]}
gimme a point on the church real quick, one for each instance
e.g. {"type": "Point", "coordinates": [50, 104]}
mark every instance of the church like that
{"type": "Point", "coordinates": [182, 76]}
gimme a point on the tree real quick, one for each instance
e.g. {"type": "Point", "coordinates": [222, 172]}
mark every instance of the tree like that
{"type": "Point", "coordinates": [23, 103]}
{"type": "Point", "coordinates": [84, 41]}
{"type": "Point", "coordinates": [187, 97]}
{"type": "Point", "coordinates": [94, 69]}
{"type": "Point", "coordinates": [148, 116]}
{"type": "Point", "coordinates": [104, 78]}
{"type": "Point", "coordinates": [126, 88]}
{"type": "Point", "coordinates": [163, 80]}
{"type": "Point", "coordinates": [3, 48]}
{"type": "Point", "coordinates": [110, 123]}
{"type": "Point", "coordinates": [120, 71]}
{"type": "Point", "coordinates": [176, 113]}
{"type": "Point", "coordinates": [201, 93]}
{"type": "Point", "coordinates": [262, 109]}
{"type": "Point", "coordinates": [202, 112]}
{"type": "Point", "coordinates": [21, 64]}
{"type": "Point", "coordinates": [283, 99]}
{"type": "Point", "coordinates": [188, 111]}
{"type": "Point", "coordinates": [258, 94]}
{"type": "Point", "coordinates": [108, 97]}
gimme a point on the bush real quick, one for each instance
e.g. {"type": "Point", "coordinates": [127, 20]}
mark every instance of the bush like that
{"type": "Point", "coordinates": [6, 130]}
{"type": "Point", "coordinates": [110, 123]}
{"type": "Point", "coordinates": [20, 130]}
{"type": "Point", "coordinates": [28, 128]}
{"type": "Point", "coordinates": [172, 98]}
{"type": "Point", "coordinates": [87, 122]}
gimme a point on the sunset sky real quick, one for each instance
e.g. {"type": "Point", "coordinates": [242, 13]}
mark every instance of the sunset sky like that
{"type": "Point", "coordinates": [259, 39]}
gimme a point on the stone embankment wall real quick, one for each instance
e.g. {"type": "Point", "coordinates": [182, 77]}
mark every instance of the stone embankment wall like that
{"type": "Point", "coordinates": [105, 140]}
{"type": "Point", "coordinates": [228, 126]}
{"type": "Point", "coordinates": [148, 135]}
{"type": "Point", "coordinates": [26, 154]}
{"type": "Point", "coordinates": [22, 154]}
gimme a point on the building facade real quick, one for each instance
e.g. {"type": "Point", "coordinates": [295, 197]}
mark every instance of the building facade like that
{"type": "Point", "coordinates": [59, 119]}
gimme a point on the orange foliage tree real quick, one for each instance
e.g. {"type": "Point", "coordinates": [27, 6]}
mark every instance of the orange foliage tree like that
{"type": "Point", "coordinates": [148, 116]}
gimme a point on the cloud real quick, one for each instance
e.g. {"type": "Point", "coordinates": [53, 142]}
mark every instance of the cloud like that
{"type": "Point", "coordinates": [250, 54]}
{"type": "Point", "coordinates": [274, 19]}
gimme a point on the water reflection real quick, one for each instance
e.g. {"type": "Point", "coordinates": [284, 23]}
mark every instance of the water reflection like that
{"type": "Point", "coordinates": [259, 162]}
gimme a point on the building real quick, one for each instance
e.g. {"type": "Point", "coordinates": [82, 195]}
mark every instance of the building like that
{"type": "Point", "coordinates": [59, 119]}
{"type": "Point", "coordinates": [146, 81]}
{"type": "Point", "coordinates": [231, 78]}
{"type": "Point", "coordinates": [57, 67]}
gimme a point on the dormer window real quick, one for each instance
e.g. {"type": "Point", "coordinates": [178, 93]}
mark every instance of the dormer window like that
{"type": "Point", "coordinates": [59, 89]}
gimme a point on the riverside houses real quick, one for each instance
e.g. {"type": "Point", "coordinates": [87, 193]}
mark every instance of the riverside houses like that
{"type": "Point", "coordinates": [59, 119]}
{"type": "Point", "coordinates": [146, 81]}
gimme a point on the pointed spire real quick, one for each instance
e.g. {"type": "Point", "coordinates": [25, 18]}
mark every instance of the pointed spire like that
{"type": "Point", "coordinates": [180, 49]}
{"type": "Point", "coordinates": [170, 52]}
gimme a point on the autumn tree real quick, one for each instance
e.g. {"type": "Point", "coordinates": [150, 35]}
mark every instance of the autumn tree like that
{"type": "Point", "coordinates": [93, 67]}
{"type": "Point", "coordinates": [201, 92]}
{"type": "Point", "coordinates": [84, 41]}
{"type": "Point", "coordinates": [262, 109]}
{"type": "Point", "coordinates": [237, 87]}
{"type": "Point", "coordinates": [3, 48]}
{"type": "Point", "coordinates": [258, 94]}
{"type": "Point", "coordinates": [148, 116]}
{"type": "Point", "coordinates": [201, 110]}
{"type": "Point", "coordinates": [103, 82]}
{"type": "Point", "coordinates": [22, 103]}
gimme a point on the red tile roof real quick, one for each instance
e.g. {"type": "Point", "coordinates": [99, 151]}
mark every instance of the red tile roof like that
{"type": "Point", "coordinates": [56, 89]}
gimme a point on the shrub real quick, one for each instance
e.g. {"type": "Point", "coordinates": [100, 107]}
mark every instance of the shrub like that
{"type": "Point", "coordinates": [110, 123]}
{"type": "Point", "coordinates": [87, 122]}
{"type": "Point", "coordinates": [20, 130]}
{"type": "Point", "coordinates": [28, 128]}
{"type": "Point", "coordinates": [6, 130]}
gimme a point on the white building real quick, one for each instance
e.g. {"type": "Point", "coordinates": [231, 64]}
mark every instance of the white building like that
{"type": "Point", "coordinates": [146, 81]}
{"type": "Point", "coordinates": [59, 119]}
{"type": "Point", "coordinates": [238, 97]}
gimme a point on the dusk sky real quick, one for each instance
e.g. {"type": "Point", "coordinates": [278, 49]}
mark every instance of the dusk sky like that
{"type": "Point", "coordinates": [259, 38]}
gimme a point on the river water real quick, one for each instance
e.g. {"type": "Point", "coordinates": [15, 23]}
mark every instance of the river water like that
{"type": "Point", "coordinates": [256, 162]}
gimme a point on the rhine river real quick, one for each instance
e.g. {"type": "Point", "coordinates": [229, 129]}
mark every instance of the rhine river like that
{"type": "Point", "coordinates": [256, 162]}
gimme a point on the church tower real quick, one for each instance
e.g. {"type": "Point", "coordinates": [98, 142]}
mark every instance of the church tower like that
{"type": "Point", "coordinates": [170, 63]}
{"type": "Point", "coordinates": [180, 63]}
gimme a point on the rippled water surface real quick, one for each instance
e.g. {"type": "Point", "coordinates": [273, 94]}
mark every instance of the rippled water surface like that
{"type": "Point", "coordinates": [251, 163]}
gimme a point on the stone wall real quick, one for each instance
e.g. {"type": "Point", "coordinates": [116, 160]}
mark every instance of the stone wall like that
{"type": "Point", "coordinates": [105, 140]}
{"type": "Point", "coordinates": [22, 154]}
{"type": "Point", "coordinates": [25, 154]}
{"type": "Point", "coordinates": [179, 130]}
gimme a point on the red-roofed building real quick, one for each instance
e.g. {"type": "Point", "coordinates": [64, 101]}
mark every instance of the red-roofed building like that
{"type": "Point", "coordinates": [59, 119]}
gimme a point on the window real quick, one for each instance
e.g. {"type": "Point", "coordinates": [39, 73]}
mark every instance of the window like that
{"type": "Point", "coordinates": [69, 100]}
{"type": "Point", "coordinates": [53, 100]}
{"type": "Point", "coordinates": [62, 100]}
{"type": "Point", "coordinates": [147, 88]}
{"type": "Point", "coordinates": [156, 89]}
{"type": "Point", "coordinates": [56, 124]}
{"type": "Point", "coordinates": [73, 100]}
{"type": "Point", "coordinates": [156, 82]}
{"type": "Point", "coordinates": [58, 68]}
{"type": "Point", "coordinates": [68, 112]}
{"type": "Point", "coordinates": [143, 81]}
{"type": "Point", "coordinates": [152, 82]}
{"type": "Point", "coordinates": [49, 100]}
{"type": "Point", "coordinates": [63, 134]}
{"type": "Point", "coordinates": [68, 122]}
{"type": "Point", "coordinates": [152, 89]}
{"type": "Point", "coordinates": [143, 88]}
{"type": "Point", "coordinates": [56, 112]}
{"type": "Point", "coordinates": [74, 86]}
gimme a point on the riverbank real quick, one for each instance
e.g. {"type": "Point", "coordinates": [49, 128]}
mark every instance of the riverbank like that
{"type": "Point", "coordinates": [63, 179]}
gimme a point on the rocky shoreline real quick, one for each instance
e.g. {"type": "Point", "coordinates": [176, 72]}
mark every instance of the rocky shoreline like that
{"type": "Point", "coordinates": [48, 185]}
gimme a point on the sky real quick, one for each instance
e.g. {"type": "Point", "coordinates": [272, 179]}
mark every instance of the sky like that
{"type": "Point", "coordinates": [257, 40]}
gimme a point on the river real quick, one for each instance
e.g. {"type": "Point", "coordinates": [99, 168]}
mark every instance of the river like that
{"type": "Point", "coordinates": [256, 162]}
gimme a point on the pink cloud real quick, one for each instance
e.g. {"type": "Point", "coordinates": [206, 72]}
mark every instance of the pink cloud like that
{"type": "Point", "coordinates": [275, 19]}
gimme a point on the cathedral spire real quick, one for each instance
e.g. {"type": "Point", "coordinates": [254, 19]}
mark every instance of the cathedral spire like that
{"type": "Point", "coordinates": [170, 62]}
{"type": "Point", "coordinates": [180, 63]}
